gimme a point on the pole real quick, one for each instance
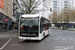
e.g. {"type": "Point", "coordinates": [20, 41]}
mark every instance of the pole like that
{"type": "Point", "coordinates": [26, 6]}
{"type": "Point", "coordinates": [43, 5]}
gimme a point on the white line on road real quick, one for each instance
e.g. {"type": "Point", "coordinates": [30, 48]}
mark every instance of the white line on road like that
{"type": "Point", "coordinates": [59, 49]}
{"type": "Point", "coordinates": [5, 44]}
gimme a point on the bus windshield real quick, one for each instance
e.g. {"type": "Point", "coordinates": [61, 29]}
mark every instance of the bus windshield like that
{"type": "Point", "coordinates": [29, 24]}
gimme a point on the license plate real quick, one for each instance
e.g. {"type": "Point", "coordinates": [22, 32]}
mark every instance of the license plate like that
{"type": "Point", "coordinates": [28, 39]}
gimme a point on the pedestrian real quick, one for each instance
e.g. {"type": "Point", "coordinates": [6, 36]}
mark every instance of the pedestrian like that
{"type": "Point", "coordinates": [4, 27]}
{"type": "Point", "coordinates": [6, 23]}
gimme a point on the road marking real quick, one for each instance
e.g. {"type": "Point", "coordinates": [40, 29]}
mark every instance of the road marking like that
{"type": "Point", "coordinates": [63, 38]}
{"type": "Point", "coordinates": [5, 44]}
{"type": "Point", "coordinates": [15, 44]}
{"type": "Point", "coordinates": [59, 49]}
{"type": "Point", "coordinates": [63, 47]}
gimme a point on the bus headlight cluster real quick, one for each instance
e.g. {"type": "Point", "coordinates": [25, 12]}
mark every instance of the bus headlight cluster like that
{"type": "Point", "coordinates": [34, 34]}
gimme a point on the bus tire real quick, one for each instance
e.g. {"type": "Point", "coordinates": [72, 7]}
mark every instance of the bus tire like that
{"type": "Point", "coordinates": [43, 35]}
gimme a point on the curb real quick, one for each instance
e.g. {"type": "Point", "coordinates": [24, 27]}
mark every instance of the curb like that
{"type": "Point", "coordinates": [65, 30]}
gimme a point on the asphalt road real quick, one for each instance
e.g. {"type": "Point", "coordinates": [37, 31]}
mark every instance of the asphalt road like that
{"type": "Point", "coordinates": [57, 40]}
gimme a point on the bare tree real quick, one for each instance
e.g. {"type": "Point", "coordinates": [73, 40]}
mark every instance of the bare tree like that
{"type": "Point", "coordinates": [53, 18]}
{"type": "Point", "coordinates": [30, 6]}
{"type": "Point", "coordinates": [61, 17]}
{"type": "Point", "coordinates": [66, 15]}
{"type": "Point", "coordinates": [72, 12]}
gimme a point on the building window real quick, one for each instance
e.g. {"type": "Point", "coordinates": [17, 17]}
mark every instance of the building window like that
{"type": "Point", "coordinates": [65, 1]}
{"type": "Point", "coordinates": [55, 6]}
{"type": "Point", "coordinates": [55, 1]}
{"type": "Point", "coordinates": [55, 10]}
{"type": "Point", "coordinates": [65, 5]}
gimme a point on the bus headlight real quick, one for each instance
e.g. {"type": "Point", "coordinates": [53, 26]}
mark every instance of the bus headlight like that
{"type": "Point", "coordinates": [34, 34]}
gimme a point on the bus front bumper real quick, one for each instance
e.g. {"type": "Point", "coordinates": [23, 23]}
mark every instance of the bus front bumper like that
{"type": "Point", "coordinates": [29, 38]}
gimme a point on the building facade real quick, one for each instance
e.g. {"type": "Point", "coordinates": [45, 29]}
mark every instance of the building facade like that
{"type": "Point", "coordinates": [16, 12]}
{"type": "Point", "coordinates": [59, 5]}
{"type": "Point", "coordinates": [5, 12]}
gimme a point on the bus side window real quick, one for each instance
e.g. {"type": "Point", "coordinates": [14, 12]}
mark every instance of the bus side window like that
{"type": "Point", "coordinates": [41, 27]}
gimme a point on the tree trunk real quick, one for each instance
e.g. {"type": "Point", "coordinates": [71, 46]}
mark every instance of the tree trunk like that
{"type": "Point", "coordinates": [67, 25]}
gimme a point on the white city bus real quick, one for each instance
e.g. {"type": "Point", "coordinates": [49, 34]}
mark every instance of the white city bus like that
{"type": "Point", "coordinates": [33, 27]}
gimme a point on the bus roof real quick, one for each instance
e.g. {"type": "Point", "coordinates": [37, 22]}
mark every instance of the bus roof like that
{"type": "Point", "coordinates": [30, 15]}
{"type": "Point", "coordinates": [34, 15]}
{"type": "Point", "coordinates": [45, 19]}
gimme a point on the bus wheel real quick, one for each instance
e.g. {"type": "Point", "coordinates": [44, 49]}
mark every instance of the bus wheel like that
{"type": "Point", "coordinates": [44, 35]}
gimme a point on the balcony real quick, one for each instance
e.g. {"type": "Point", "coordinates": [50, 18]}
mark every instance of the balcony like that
{"type": "Point", "coordinates": [14, 3]}
{"type": "Point", "coordinates": [14, 9]}
{"type": "Point", "coordinates": [14, 14]}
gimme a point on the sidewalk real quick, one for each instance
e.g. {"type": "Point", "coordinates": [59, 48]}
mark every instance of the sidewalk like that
{"type": "Point", "coordinates": [10, 33]}
{"type": "Point", "coordinates": [63, 29]}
